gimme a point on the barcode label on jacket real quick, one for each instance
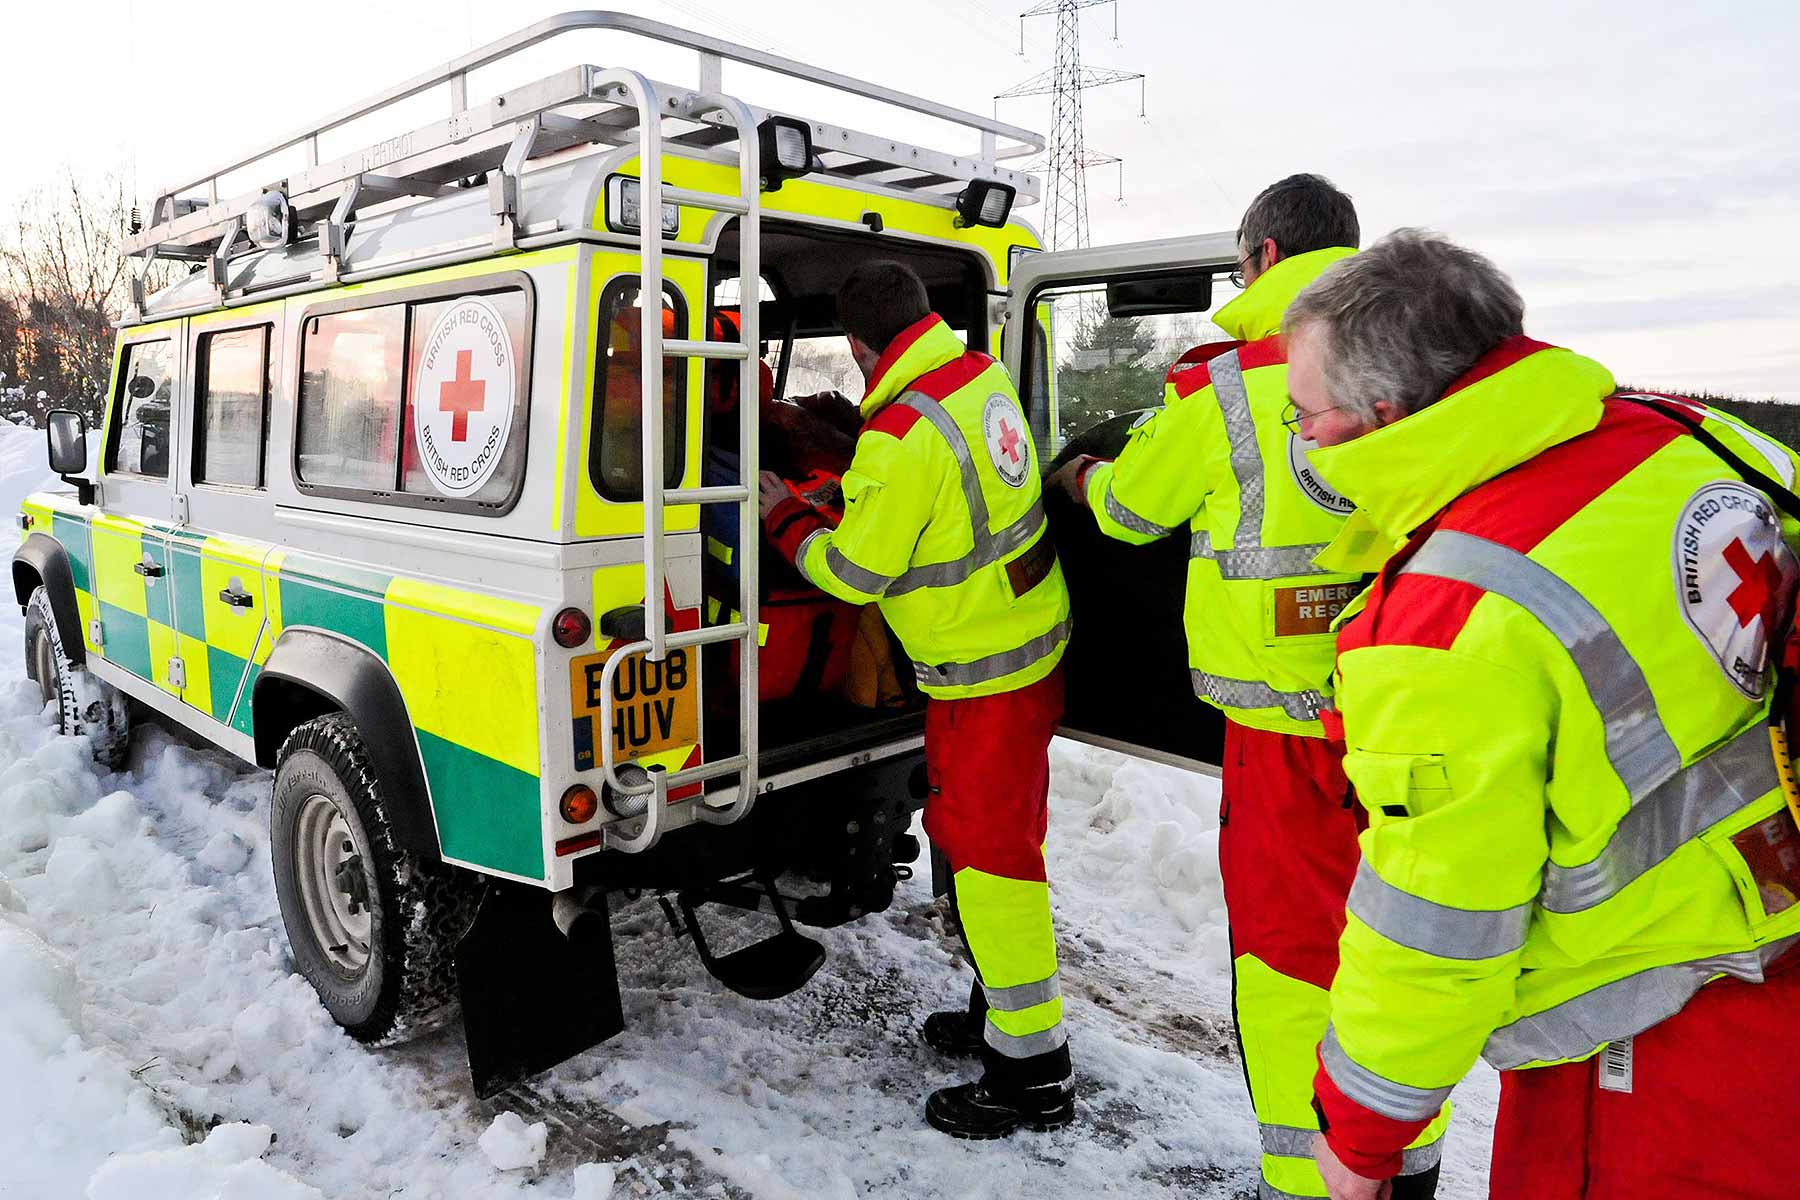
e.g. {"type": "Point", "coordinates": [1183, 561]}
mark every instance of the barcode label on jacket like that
{"type": "Point", "coordinates": [1615, 1066]}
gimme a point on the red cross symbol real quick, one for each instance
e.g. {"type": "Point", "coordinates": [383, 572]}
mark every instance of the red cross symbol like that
{"type": "Point", "coordinates": [1009, 441]}
{"type": "Point", "coordinates": [461, 396]}
{"type": "Point", "coordinates": [1759, 589]}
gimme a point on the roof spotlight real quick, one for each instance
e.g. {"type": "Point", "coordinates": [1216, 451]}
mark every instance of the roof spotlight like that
{"type": "Point", "coordinates": [985, 202]}
{"type": "Point", "coordinates": [786, 149]}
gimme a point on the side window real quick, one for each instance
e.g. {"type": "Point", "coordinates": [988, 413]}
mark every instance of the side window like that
{"type": "Point", "coordinates": [421, 402]}
{"type": "Point", "coordinates": [232, 407]}
{"type": "Point", "coordinates": [350, 383]}
{"type": "Point", "coordinates": [140, 436]}
{"type": "Point", "coordinates": [616, 456]}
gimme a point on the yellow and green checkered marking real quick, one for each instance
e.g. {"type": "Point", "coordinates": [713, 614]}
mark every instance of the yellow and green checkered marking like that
{"type": "Point", "coordinates": [465, 663]}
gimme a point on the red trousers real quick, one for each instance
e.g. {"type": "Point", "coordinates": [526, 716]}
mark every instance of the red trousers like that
{"type": "Point", "coordinates": [1715, 1094]}
{"type": "Point", "coordinates": [988, 758]}
{"type": "Point", "coordinates": [1287, 851]}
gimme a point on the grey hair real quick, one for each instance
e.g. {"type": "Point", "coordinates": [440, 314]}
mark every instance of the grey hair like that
{"type": "Point", "coordinates": [1404, 319]}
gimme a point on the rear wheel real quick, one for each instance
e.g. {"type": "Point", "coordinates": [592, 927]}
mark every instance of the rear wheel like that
{"type": "Point", "coordinates": [85, 706]}
{"type": "Point", "coordinates": [371, 927]}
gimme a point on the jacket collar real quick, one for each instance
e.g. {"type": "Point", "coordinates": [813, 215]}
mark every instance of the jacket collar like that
{"type": "Point", "coordinates": [1520, 399]}
{"type": "Point", "coordinates": [1257, 313]}
{"type": "Point", "coordinates": [923, 346]}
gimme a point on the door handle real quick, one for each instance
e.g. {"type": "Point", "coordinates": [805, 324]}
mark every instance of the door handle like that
{"type": "Point", "coordinates": [147, 569]}
{"type": "Point", "coordinates": [238, 599]}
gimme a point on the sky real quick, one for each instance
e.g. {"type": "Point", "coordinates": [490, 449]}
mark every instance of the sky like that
{"type": "Point", "coordinates": [1633, 166]}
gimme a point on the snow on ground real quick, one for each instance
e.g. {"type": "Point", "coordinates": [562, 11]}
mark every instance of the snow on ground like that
{"type": "Point", "coordinates": [155, 1044]}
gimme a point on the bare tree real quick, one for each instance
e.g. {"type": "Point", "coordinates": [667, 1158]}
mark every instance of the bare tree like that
{"type": "Point", "coordinates": [67, 281]}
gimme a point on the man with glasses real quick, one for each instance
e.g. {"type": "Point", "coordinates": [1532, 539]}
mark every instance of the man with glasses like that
{"type": "Point", "coordinates": [1223, 461]}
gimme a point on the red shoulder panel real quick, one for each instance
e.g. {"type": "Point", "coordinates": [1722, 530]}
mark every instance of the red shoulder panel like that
{"type": "Point", "coordinates": [1204, 352]}
{"type": "Point", "coordinates": [1525, 505]}
{"type": "Point", "coordinates": [1263, 352]}
{"type": "Point", "coordinates": [894, 420]}
{"type": "Point", "coordinates": [1518, 509]}
{"type": "Point", "coordinates": [950, 378]}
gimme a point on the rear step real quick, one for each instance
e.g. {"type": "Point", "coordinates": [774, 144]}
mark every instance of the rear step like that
{"type": "Point", "coordinates": [765, 970]}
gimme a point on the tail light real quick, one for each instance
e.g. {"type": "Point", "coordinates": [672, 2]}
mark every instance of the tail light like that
{"type": "Point", "coordinates": [571, 628]}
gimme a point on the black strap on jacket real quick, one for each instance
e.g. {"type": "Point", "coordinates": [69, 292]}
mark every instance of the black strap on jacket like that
{"type": "Point", "coordinates": [1784, 498]}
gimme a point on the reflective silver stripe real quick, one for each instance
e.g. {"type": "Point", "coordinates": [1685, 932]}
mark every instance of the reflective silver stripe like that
{"type": "Point", "coordinates": [1421, 1159]}
{"type": "Point", "coordinates": [988, 547]}
{"type": "Point", "coordinates": [1130, 520]}
{"type": "Point", "coordinates": [1227, 376]}
{"type": "Point", "coordinates": [1619, 1009]}
{"type": "Point", "coordinates": [1253, 693]}
{"type": "Point", "coordinates": [1670, 804]}
{"type": "Point", "coordinates": [1699, 797]}
{"type": "Point", "coordinates": [1637, 745]}
{"type": "Point", "coordinates": [1401, 1101]}
{"type": "Point", "coordinates": [1022, 996]}
{"type": "Point", "coordinates": [800, 554]}
{"type": "Point", "coordinates": [947, 574]}
{"type": "Point", "coordinates": [1289, 1141]}
{"type": "Point", "coordinates": [1259, 562]}
{"type": "Point", "coordinates": [1433, 928]}
{"type": "Point", "coordinates": [860, 578]}
{"type": "Point", "coordinates": [952, 433]}
{"type": "Point", "coordinates": [1028, 1045]}
{"type": "Point", "coordinates": [994, 666]}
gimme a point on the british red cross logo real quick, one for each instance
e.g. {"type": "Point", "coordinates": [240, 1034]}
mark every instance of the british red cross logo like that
{"type": "Point", "coordinates": [1759, 585]}
{"type": "Point", "coordinates": [1009, 441]}
{"type": "Point", "coordinates": [461, 396]}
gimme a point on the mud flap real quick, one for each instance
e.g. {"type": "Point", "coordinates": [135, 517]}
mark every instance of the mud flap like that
{"type": "Point", "coordinates": [531, 996]}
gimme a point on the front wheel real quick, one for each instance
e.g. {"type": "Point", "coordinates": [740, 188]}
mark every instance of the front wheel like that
{"type": "Point", "coordinates": [371, 928]}
{"type": "Point", "coordinates": [85, 706]}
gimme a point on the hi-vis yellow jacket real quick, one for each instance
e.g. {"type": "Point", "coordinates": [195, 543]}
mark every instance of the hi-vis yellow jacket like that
{"type": "Point", "coordinates": [1554, 703]}
{"type": "Point", "coordinates": [943, 522]}
{"type": "Point", "coordinates": [1218, 460]}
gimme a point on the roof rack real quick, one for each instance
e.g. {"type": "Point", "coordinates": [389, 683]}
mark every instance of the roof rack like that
{"type": "Point", "coordinates": [577, 106]}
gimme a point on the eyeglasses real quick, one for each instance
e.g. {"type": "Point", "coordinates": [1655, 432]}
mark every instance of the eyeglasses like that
{"type": "Point", "coordinates": [1293, 416]}
{"type": "Point", "coordinates": [1237, 276]}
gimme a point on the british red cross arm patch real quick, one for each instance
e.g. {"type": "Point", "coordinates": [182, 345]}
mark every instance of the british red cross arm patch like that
{"type": "Point", "coordinates": [1734, 579]}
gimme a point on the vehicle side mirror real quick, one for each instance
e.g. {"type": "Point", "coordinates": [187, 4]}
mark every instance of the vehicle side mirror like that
{"type": "Point", "coordinates": [141, 387]}
{"type": "Point", "coordinates": [68, 441]}
{"type": "Point", "coordinates": [67, 435]}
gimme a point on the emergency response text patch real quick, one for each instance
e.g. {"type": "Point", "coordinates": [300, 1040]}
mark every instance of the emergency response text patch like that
{"type": "Point", "coordinates": [1734, 578]}
{"type": "Point", "coordinates": [1310, 482]}
{"type": "Point", "coordinates": [462, 396]}
{"type": "Point", "coordinates": [1301, 611]}
{"type": "Point", "coordinates": [1004, 434]}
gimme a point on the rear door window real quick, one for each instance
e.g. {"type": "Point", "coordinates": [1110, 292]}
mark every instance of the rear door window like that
{"type": "Point", "coordinates": [616, 459]}
{"type": "Point", "coordinates": [232, 402]}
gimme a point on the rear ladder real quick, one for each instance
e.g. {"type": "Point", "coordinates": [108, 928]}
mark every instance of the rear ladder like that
{"type": "Point", "coordinates": [641, 795]}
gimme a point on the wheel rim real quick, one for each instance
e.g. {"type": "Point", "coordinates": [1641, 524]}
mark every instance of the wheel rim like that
{"type": "Point", "coordinates": [44, 661]}
{"type": "Point", "coordinates": [334, 887]}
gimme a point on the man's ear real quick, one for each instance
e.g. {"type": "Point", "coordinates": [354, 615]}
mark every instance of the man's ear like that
{"type": "Point", "coordinates": [1271, 253]}
{"type": "Point", "coordinates": [1387, 412]}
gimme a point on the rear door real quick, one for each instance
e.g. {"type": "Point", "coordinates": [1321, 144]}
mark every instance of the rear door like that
{"type": "Point", "coordinates": [1090, 335]}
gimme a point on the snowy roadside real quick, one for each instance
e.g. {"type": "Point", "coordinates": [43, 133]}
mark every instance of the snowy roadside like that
{"type": "Point", "coordinates": [156, 1044]}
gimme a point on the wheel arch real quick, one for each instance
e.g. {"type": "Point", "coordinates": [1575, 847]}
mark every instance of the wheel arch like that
{"type": "Point", "coordinates": [312, 672]}
{"type": "Point", "coordinates": [41, 561]}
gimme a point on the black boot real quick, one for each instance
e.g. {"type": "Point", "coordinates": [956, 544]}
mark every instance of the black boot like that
{"type": "Point", "coordinates": [970, 1111]}
{"type": "Point", "coordinates": [952, 1032]}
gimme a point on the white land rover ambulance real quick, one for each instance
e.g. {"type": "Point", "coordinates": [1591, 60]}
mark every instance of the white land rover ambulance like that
{"type": "Point", "coordinates": [424, 488]}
